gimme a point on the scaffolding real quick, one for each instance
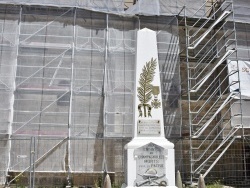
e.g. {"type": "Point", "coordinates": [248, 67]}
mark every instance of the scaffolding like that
{"type": "Point", "coordinates": [213, 94]}
{"type": "Point", "coordinates": [67, 87]}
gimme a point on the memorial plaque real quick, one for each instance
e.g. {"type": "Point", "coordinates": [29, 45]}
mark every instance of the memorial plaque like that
{"type": "Point", "coordinates": [149, 127]}
{"type": "Point", "coordinates": [150, 165]}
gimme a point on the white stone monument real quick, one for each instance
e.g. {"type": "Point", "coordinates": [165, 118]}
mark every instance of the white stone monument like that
{"type": "Point", "coordinates": [150, 156]}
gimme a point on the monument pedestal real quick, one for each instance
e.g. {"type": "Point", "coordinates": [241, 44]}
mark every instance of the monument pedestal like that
{"type": "Point", "coordinates": [150, 163]}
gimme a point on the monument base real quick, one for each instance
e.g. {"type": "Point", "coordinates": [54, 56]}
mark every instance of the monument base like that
{"type": "Point", "coordinates": [150, 163]}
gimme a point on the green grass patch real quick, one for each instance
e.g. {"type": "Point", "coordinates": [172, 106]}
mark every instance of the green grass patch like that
{"type": "Point", "coordinates": [215, 185]}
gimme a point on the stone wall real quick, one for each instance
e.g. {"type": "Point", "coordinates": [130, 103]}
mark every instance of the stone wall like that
{"type": "Point", "coordinates": [87, 180]}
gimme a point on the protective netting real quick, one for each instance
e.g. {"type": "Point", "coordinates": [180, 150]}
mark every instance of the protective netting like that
{"type": "Point", "coordinates": [67, 86]}
{"type": "Point", "coordinates": [194, 8]}
{"type": "Point", "coordinates": [243, 107]}
{"type": "Point", "coordinates": [241, 80]}
{"type": "Point", "coordinates": [69, 73]}
{"type": "Point", "coordinates": [241, 11]}
{"type": "Point", "coordinates": [9, 27]}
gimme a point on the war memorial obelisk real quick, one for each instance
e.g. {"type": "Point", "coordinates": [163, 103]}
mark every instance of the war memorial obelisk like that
{"type": "Point", "coordinates": [150, 156]}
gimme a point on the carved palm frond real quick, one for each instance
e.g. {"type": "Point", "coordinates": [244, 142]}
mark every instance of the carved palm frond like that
{"type": "Point", "coordinates": [146, 77]}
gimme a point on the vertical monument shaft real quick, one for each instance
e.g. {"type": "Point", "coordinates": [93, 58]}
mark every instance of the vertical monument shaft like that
{"type": "Point", "coordinates": [148, 102]}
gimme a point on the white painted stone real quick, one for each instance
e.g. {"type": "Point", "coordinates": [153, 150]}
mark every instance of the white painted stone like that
{"type": "Point", "coordinates": [149, 118]}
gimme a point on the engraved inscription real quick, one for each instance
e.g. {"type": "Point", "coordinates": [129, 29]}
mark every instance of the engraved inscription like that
{"type": "Point", "coordinates": [149, 127]}
{"type": "Point", "coordinates": [150, 165]}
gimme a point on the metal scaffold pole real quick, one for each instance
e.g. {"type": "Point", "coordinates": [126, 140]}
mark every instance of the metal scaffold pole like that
{"type": "Point", "coordinates": [32, 162]}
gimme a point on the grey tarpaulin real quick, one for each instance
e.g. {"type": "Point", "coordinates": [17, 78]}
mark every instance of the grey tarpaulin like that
{"type": "Point", "coordinates": [143, 7]}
